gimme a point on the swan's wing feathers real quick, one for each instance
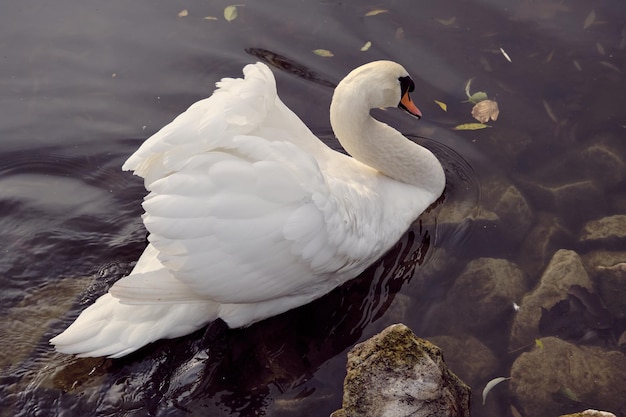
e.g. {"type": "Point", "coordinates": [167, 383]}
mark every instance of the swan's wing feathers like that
{"type": "Point", "coordinates": [238, 106]}
{"type": "Point", "coordinates": [255, 218]}
{"type": "Point", "coordinates": [239, 209]}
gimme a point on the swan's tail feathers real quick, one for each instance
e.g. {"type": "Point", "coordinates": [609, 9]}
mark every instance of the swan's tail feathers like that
{"type": "Point", "coordinates": [113, 329]}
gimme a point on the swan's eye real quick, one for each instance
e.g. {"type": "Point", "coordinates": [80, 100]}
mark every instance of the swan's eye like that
{"type": "Point", "coordinates": [406, 84]}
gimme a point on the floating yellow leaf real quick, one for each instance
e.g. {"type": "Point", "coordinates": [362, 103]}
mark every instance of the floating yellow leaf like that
{"type": "Point", "coordinates": [231, 12]}
{"type": "Point", "coordinates": [210, 18]}
{"type": "Point", "coordinates": [485, 110]}
{"type": "Point", "coordinates": [183, 13]}
{"type": "Point", "coordinates": [441, 104]}
{"type": "Point", "coordinates": [375, 12]}
{"type": "Point", "coordinates": [591, 18]}
{"type": "Point", "coordinates": [367, 46]}
{"type": "Point", "coordinates": [323, 52]}
{"type": "Point", "coordinates": [471, 126]}
{"type": "Point", "coordinates": [539, 343]}
{"type": "Point", "coordinates": [447, 22]}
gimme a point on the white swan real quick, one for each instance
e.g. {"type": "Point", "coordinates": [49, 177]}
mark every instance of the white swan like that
{"type": "Point", "coordinates": [251, 215]}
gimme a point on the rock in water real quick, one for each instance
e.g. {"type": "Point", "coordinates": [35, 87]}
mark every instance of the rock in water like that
{"type": "Point", "coordinates": [398, 374]}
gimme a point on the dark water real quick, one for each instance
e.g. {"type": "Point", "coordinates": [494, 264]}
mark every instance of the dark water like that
{"type": "Point", "coordinates": [84, 83]}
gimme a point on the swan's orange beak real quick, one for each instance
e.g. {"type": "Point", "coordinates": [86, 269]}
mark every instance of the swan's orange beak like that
{"type": "Point", "coordinates": [407, 105]}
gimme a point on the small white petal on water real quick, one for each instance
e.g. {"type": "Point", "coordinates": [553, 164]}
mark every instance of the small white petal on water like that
{"type": "Point", "coordinates": [492, 384]}
{"type": "Point", "coordinates": [508, 58]}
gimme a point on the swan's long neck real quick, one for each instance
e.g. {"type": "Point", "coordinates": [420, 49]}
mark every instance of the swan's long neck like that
{"type": "Point", "coordinates": [382, 147]}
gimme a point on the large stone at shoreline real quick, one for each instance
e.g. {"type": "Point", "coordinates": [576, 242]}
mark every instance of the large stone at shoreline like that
{"type": "Point", "coordinates": [558, 377]}
{"type": "Point", "coordinates": [564, 270]}
{"type": "Point", "coordinates": [590, 413]}
{"type": "Point", "coordinates": [396, 374]}
{"type": "Point", "coordinates": [468, 358]}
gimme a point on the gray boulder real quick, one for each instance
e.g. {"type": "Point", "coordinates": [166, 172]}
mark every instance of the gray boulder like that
{"type": "Point", "coordinates": [565, 269]}
{"type": "Point", "coordinates": [557, 376]}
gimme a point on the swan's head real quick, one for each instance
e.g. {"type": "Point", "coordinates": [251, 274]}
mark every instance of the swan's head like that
{"type": "Point", "coordinates": [379, 84]}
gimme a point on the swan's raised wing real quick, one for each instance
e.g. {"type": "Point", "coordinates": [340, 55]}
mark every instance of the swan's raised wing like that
{"type": "Point", "coordinates": [239, 210]}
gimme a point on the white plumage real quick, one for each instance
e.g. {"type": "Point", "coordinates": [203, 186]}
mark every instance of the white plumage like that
{"type": "Point", "coordinates": [251, 215]}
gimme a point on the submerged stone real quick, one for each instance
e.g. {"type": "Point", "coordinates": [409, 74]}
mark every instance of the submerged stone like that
{"type": "Point", "coordinates": [565, 270]}
{"type": "Point", "coordinates": [557, 377]}
{"type": "Point", "coordinates": [483, 295]}
{"type": "Point", "coordinates": [607, 231]}
{"type": "Point", "coordinates": [396, 374]}
{"type": "Point", "coordinates": [541, 242]}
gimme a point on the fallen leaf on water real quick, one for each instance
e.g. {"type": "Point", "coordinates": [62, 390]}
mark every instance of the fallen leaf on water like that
{"type": "Point", "coordinates": [485, 110]}
{"type": "Point", "coordinates": [399, 34]}
{"type": "Point", "coordinates": [477, 97]}
{"type": "Point", "coordinates": [375, 12]}
{"type": "Point", "coordinates": [210, 18]}
{"type": "Point", "coordinates": [367, 46]}
{"type": "Point", "coordinates": [492, 384]}
{"type": "Point", "coordinates": [549, 111]}
{"type": "Point", "coordinates": [577, 65]}
{"type": "Point", "coordinates": [600, 48]}
{"type": "Point", "coordinates": [467, 87]}
{"type": "Point", "coordinates": [323, 52]}
{"type": "Point", "coordinates": [568, 393]}
{"type": "Point", "coordinates": [441, 104]}
{"type": "Point", "coordinates": [611, 66]}
{"type": "Point", "coordinates": [550, 55]}
{"type": "Point", "coordinates": [183, 13]}
{"type": "Point", "coordinates": [471, 126]}
{"type": "Point", "coordinates": [508, 58]}
{"type": "Point", "coordinates": [230, 12]}
{"type": "Point", "coordinates": [447, 22]}
{"type": "Point", "coordinates": [591, 18]}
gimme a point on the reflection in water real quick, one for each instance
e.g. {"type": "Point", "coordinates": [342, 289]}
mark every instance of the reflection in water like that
{"type": "Point", "coordinates": [285, 64]}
